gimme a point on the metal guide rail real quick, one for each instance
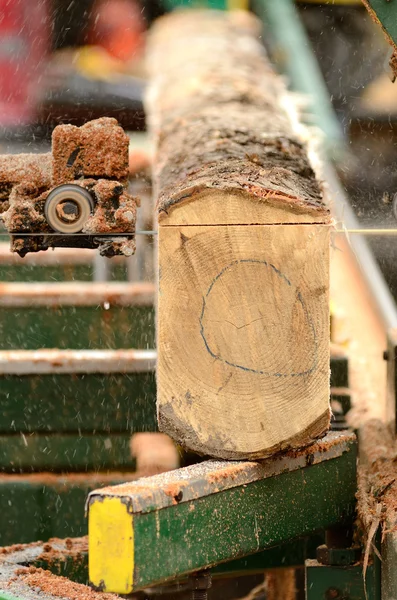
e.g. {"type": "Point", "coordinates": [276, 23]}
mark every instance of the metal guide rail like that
{"type": "Point", "coordinates": [193, 518]}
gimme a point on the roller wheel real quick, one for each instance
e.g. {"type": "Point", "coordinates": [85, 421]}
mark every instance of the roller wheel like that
{"type": "Point", "coordinates": [68, 207]}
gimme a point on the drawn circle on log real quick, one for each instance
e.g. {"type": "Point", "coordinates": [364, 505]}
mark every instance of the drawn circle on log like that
{"type": "Point", "coordinates": [254, 319]}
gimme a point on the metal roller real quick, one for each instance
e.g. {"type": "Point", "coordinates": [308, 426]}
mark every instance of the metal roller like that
{"type": "Point", "coordinates": [68, 207]}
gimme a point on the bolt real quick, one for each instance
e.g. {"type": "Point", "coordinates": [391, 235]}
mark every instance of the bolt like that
{"type": "Point", "coordinates": [68, 211]}
{"type": "Point", "coordinates": [199, 595]}
{"type": "Point", "coordinates": [129, 216]}
{"type": "Point", "coordinates": [200, 583]}
{"type": "Point", "coordinates": [332, 594]}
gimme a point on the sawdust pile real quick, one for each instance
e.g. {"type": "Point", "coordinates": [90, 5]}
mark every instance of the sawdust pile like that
{"type": "Point", "coordinates": [59, 586]}
{"type": "Point", "coordinates": [377, 478]}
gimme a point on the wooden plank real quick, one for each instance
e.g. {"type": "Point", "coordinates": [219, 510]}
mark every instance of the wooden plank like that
{"type": "Point", "coordinates": [367, 369]}
{"type": "Point", "coordinates": [391, 379]}
{"type": "Point", "coordinates": [243, 316]}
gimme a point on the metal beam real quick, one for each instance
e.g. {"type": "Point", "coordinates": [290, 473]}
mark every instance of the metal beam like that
{"type": "Point", "coordinates": [77, 404]}
{"type": "Point", "coordinates": [194, 518]}
{"type": "Point", "coordinates": [87, 391]}
{"type": "Point", "coordinates": [76, 293]}
{"type": "Point", "coordinates": [51, 362]}
{"type": "Point", "coordinates": [389, 562]}
{"type": "Point", "coordinates": [106, 326]}
{"type": "Point", "coordinates": [324, 581]}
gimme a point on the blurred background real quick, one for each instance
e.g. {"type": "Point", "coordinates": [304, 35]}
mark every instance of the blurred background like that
{"type": "Point", "coordinates": [69, 61]}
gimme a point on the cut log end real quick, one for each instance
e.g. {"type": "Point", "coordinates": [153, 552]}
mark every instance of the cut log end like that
{"type": "Point", "coordinates": [243, 337]}
{"type": "Point", "coordinates": [188, 438]}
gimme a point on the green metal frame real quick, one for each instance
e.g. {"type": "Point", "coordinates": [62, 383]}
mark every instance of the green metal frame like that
{"type": "Point", "coordinates": [221, 516]}
{"type": "Point", "coordinates": [41, 506]}
{"type": "Point", "coordinates": [75, 565]}
{"type": "Point", "coordinates": [341, 583]}
{"type": "Point", "coordinates": [78, 403]}
{"type": "Point", "coordinates": [64, 452]}
{"type": "Point", "coordinates": [78, 327]}
{"type": "Point", "coordinates": [71, 561]}
{"type": "Point", "coordinates": [385, 14]}
{"type": "Point", "coordinates": [213, 512]}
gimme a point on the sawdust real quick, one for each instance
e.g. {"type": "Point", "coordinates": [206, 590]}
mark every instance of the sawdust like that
{"type": "Point", "coordinates": [318, 446]}
{"type": "Point", "coordinates": [227, 473]}
{"type": "Point", "coordinates": [33, 170]}
{"type": "Point", "coordinates": [59, 586]}
{"type": "Point", "coordinates": [6, 550]}
{"type": "Point", "coordinates": [56, 550]}
{"type": "Point", "coordinates": [377, 477]}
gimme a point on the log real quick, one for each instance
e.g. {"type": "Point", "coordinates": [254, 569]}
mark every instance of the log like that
{"type": "Point", "coordinates": [154, 453]}
{"type": "Point", "coordinates": [243, 250]}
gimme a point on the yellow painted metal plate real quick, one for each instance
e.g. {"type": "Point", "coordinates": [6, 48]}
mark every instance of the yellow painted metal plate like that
{"type": "Point", "coordinates": [111, 545]}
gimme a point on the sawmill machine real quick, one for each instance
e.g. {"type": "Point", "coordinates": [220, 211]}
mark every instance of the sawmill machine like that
{"type": "Point", "coordinates": [240, 513]}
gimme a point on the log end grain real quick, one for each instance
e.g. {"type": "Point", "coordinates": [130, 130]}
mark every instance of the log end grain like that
{"type": "Point", "coordinates": [243, 337]}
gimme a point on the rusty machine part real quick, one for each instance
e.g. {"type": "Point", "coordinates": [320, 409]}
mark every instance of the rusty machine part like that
{"type": "Point", "coordinates": [75, 196]}
{"type": "Point", "coordinates": [68, 208]}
